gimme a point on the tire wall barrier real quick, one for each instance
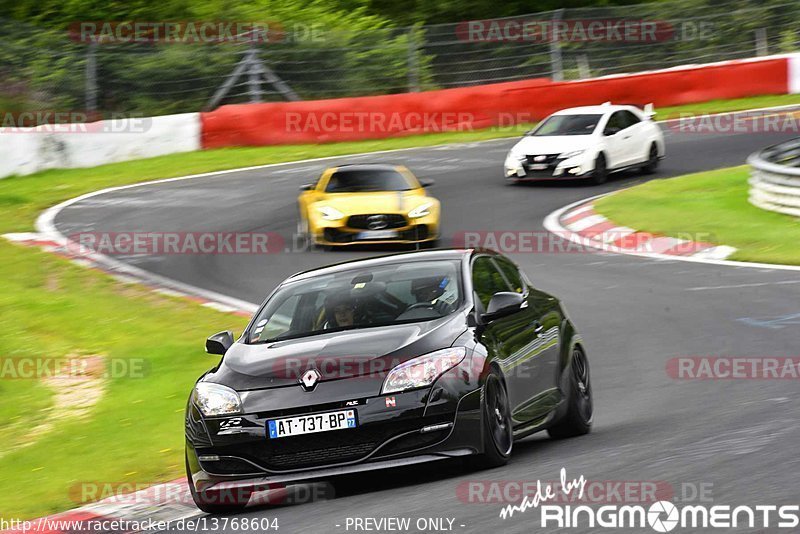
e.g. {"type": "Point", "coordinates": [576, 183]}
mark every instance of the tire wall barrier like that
{"type": "Point", "coordinates": [775, 178]}
{"type": "Point", "coordinates": [502, 104]}
{"type": "Point", "coordinates": [29, 150]}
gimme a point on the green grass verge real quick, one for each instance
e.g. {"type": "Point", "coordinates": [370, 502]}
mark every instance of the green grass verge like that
{"type": "Point", "coordinates": [50, 308]}
{"type": "Point", "coordinates": [714, 203]}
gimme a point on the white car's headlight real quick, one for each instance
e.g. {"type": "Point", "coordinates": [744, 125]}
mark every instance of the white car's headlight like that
{"type": "Point", "coordinates": [423, 370]}
{"type": "Point", "coordinates": [216, 399]}
{"type": "Point", "coordinates": [420, 211]}
{"type": "Point", "coordinates": [572, 154]}
{"type": "Point", "coordinates": [330, 214]}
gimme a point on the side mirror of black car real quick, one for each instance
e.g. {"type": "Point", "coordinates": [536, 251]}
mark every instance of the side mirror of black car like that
{"type": "Point", "coordinates": [426, 183]}
{"type": "Point", "coordinates": [306, 187]}
{"type": "Point", "coordinates": [219, 343]}
{"type": "Point", "coordinates": [502, 304]}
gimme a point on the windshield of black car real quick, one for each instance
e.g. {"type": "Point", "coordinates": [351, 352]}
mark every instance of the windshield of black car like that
{"type": "Point", "coordinates": [383, 295]}
{"type": "Point", "coordinates": [367, 180]}
{"type": "Point", "coordinates": [567, 125]}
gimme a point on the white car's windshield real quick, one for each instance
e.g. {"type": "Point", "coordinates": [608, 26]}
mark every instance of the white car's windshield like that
{"type": "Point", "coordinates": [567, 125]}
{"type": "Point", "coordinates": [360, 298]}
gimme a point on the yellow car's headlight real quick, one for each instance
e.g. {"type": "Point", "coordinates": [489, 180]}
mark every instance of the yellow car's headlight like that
{"type": "Point", "coordinates": [330, 214]}
{"type": "Point", "coordinates": [421, 211]}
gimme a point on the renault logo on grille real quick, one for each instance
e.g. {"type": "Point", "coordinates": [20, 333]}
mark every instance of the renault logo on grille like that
{"type": "Point", "coordinates": [540, 158]}
{"type": "Point", "coordinates": [377, 222]}
{"type": "Point", "coordinates": [309, 379]}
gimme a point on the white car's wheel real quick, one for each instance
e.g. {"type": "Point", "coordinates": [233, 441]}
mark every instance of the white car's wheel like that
{"type": "Point", "coordinates": [652, 160]}
{"type": "Point", "coordinates": [600, 173]}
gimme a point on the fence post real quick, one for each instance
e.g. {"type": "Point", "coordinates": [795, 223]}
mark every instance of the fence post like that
{"type": "Point", "coordinates": [90, 77]}
{"type": "Point", "coordinates": [556, 64]}
{"type": "Point", "coordinates": [413, 62]}
{"type": "Point", "coordinates": [583, 67]}
{"type": "Point", "coordinates": [253, 76]}
{"type": "Point", "coordinates": [762, 48]}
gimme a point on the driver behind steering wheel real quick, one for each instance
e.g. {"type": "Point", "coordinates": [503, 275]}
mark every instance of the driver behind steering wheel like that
{"type": "Point", "coordinates": [427, 290]}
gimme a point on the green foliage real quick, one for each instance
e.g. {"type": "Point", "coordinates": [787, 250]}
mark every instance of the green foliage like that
{"type": "Point", "coordinates": [342, 48]}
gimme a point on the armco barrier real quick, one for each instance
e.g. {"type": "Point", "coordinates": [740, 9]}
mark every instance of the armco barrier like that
{"type": "Point", "coordinates": [62, 146]}
{"type": "Point", "coordinates": [350, 119]}
{"type": "Point", "coordinates": [775, 178]}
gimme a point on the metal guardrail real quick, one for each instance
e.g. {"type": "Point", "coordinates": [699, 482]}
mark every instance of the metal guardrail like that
{"type": "Point", "coordinates": [775, 178]}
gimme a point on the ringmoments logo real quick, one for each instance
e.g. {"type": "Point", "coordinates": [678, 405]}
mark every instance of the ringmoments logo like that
{"type": "Point", "coordinates": [660, 516]}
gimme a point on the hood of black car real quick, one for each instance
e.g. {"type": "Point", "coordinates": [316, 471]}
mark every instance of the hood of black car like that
{"type": "Point", "coordinates": [365, 352]}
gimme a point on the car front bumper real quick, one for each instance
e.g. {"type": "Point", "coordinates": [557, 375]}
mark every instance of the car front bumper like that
{"type": "Point", "coordinates": [423, 425]}
{"type": "Point", "coordinates": [340, 233]}
{"type": "Point", "coordinates": [575, 168]}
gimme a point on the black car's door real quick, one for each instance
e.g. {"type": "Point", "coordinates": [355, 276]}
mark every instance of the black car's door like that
{"type": "Point", "coordinates": [539, 368]}
{"type": "Point", "coordinates": [511, 340]}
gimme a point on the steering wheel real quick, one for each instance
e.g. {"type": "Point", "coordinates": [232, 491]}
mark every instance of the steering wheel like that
{"type": "Point", "coordinates": [419, 305]}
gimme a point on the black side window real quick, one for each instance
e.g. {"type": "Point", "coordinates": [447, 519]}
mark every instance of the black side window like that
{"type": "Point", "coordinates": [614, 122]}
{"type": "Point", "coordinates": [486, 280]}
{"type": "Point", "coordinates": [629, 119]}
{"type": "Point", "coordinates": [512, 274]}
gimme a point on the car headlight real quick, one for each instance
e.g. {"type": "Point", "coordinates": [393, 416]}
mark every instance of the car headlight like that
{"type": "Point", "coordinates": [330, 214]}
{"type": "Point", "coordinates": [423, 370]}
{"type": "Point", "coordinates": [216, 399]}
{"type": "Point", "coordinates": [572, 154]}
{"type": "Point", "coordinates": [421, 211]}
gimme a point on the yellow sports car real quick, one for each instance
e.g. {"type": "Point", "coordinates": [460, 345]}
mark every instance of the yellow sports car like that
{"type": "Point", "coordinates": [368, 204]}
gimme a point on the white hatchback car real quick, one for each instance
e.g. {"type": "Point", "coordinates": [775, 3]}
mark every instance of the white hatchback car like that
{"type": "Point", "coordinates": [587, 142]}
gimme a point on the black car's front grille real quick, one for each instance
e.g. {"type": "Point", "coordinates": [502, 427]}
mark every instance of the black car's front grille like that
{"type": "Point", "coordinates": [327, 455]}
{"type": "Point", "coordinates": [379, 221]}
{"type": "Point", "coordinates": [315, 450]}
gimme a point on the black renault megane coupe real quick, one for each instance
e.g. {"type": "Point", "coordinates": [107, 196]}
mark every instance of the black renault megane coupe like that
{"type": "Point", "coordinates": [380, 363]}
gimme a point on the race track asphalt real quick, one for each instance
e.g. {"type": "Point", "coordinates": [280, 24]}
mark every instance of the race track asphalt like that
{"type": "Point", "coordinates": [738, 437]}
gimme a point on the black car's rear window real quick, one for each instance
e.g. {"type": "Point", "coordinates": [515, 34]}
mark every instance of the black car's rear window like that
{"type": "Point", "coordinates": [367, 180]}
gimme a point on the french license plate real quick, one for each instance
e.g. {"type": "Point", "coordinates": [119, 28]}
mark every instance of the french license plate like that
{"type": "Point", "coordinates": [538, 166]}
{"type": "Point", "coordinates": [377, 234]}
{"type": "Point", "coordinates": [308, 424]}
